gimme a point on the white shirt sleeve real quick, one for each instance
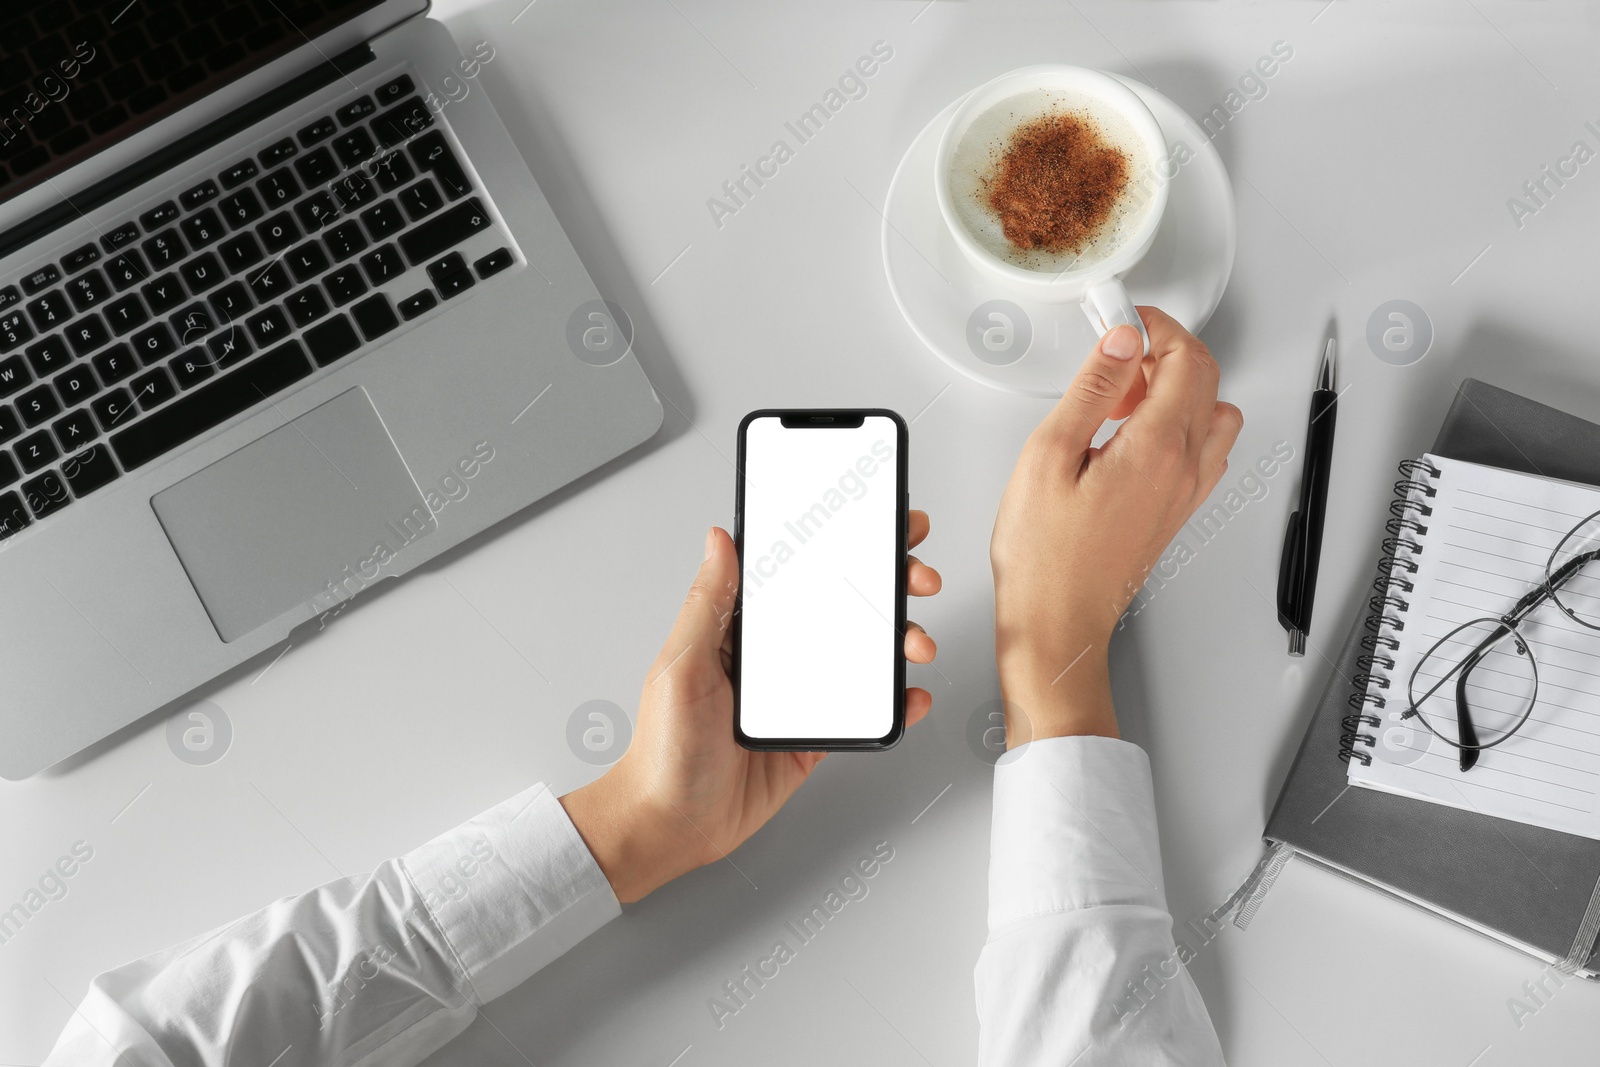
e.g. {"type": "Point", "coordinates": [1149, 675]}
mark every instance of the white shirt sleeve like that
{"type": "Point", "coordinates": [1080, 966]}
{"type": "Point", "coordinates": [384, 968]}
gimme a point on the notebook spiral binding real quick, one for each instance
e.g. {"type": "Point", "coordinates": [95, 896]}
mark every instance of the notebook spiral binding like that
{"type": "Point", "coordinates": [1410, 512]}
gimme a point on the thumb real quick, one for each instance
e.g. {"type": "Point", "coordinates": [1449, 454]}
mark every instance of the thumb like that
{"type": "Point", "coordinates": [703, 621]}
{"type": "Point", "coordinates": [1101, 390]}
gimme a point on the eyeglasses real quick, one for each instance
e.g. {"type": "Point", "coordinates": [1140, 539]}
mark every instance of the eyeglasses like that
{"type": "Point", "coordinates": [1489, 663]}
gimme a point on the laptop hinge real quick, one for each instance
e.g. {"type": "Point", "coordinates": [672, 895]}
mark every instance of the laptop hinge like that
{"type": "Point", "coordinates": [186, 147]}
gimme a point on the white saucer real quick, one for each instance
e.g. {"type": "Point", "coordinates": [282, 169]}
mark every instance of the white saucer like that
{"type": "Point", "coordinates": [944, 298]}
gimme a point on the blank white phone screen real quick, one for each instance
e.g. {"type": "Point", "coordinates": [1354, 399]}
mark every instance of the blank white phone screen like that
{"type": "Point", "coordinates": [817, 640]}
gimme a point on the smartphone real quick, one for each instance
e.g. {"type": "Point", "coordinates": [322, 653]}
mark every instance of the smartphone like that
{"type": "Point", "coordinates": [820, 617]}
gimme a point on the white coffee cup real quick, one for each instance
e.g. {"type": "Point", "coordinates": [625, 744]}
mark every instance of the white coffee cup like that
{"type": "Point", "coordinates": [1032, 92]}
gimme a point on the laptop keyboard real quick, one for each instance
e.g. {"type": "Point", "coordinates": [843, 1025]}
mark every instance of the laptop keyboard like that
{"type": "Point", "coordinates": [206, 305]}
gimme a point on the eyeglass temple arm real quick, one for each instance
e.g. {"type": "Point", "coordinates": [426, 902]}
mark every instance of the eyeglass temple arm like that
{"type": "Point", "coordinates": [1467, 734]}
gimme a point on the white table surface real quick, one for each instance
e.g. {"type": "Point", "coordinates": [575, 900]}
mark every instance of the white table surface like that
{"type": "Point", "coordinates": [1377, 166]}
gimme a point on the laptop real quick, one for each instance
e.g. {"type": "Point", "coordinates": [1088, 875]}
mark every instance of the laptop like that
{"type": "Point", "coordinates": [283, 315]}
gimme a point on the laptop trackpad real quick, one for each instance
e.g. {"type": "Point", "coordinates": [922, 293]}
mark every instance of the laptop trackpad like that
{"type": "Point", "coordinates": [309, 514]}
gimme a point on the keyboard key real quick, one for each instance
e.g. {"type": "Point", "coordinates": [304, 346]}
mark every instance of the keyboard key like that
{"type": "Point", "coordinates": [374, 316]}
{"type": "Point", "coordinates": [13, 517]}
{"type": "Point", "coordinates": [241, 208]}
{"type": "Point", "coordinates": [383, 219]}
{"type": "Point", "coordinates": [202, 228]}
{"type": "Point", "coordinates": [433, 156]}
{"type": "Point", "coordinates": [278, 189]}
{"type": "Point", "coordinates": [454, 263]}
{"type": "Point", "coordinates": [10, 422]}
{"type": "Point", "coordinates": [354, 192]}
{"type": "Point", "coordinates": [153, 388]}
{"type": "Point", "coordinates": [90, 470]}
{"type": "Point", "coordinates": [200, 194]}
{"type": "Point", "coordinates": [494, 262]}
{"type": "Point", "coordinates": [50, 310]}
{"type": "Point", "coordinates": [270, 282]}
{"type": "Point", "coordinates": [355, 147]}
{"type": "Point", "coordinates": [277, 152]}
{"type": "Point", "coordinates": [392, 170]}
{"type": "Point", "coordinates": [268, 327]}
{"type": "Point", "coordinates": [402, 122]}
{"type": "Point", "coordinates": [165, 249]}
{"type": "Point", "coordinates": [46, 494]}
{"type": "Point", "coordinates": [210, 405]}
{"type": "Point", "coordinates": [278, 232]}
{"type": "Point", "coordinates": [383, 265]}
{"type": "Point", "coordinates": [48, 356]}
{"type": "Point", "coordinates": [38, 405]}
{"type": "Point", "coordinates": [331, 340]}
{"type": "Point", "coordinates": [14, 330]}
{"type": "Point", "coordinates": [201, 273]}
{"type": "Point", "coordinates": [238, 174]}
{"type": "Point", "coordinates": [421, 199]}
{"type": "Point", "coordinates": [417, 303]}
{"type": "Point", "coordinates": [13, 375]}
{"type": "Point", "coordinates": [229, 346]}
{"type": "Point", "coordinates": [345, 240]}
{"type": "Point", "coordinates": [42, 278]}
{"type": "Point", "coordinates": [126, 269]}
{"type": "Point", "coordinates": [154, 344]}
{"type": "Point", "coordinates": [79, 258]}
{"type": "Point", "coordinates": [9, 297]}
{"type": "Point", "coordinates": [121, 236]}
{"type": "Point", "coordinates": [316, 211]}
{"type": "Point", "coordinates": [192, 323]}
{"type": "Point", "coordinates": [37, 451]}
{"type": "Point", "coordinates": [192, 368]}
{"type": "Point", "coordinates": [316, 167]}
{"type": "Point", "coordinates": [9, 473]}
{"type": "Point", "coordinates": [239, 252]}
{"type": "Point", "coordinates": [159, 216]}
{"type": "Point", "coordinates": [126, 314]}
{"type": "Point", "coordinates": [76, 384]}
{"type": "Point", "coordinates": [307, 261]}
{"type": "Point", "coordinates": [230, 302]}
{"type": "Point", "coordinates": [88, 289]}
{"type": "Point", "coordinates": [356, 110]}
{"type": "Point", "coordinates": [344, 285]}
{"type": "Point", "coordinates": [163, 294]}
{"type": "Point", "coordinates": [111, 409]}
{"type": "Point", "coordinates": [393, 91]}
{"type": "Point", "coordinates": [75, 429]}
{"type": "Point", "coordinates": [87, 334]}
{"type": "Point", "coordinates": [442, 231]}
{"type": "Point", "coordinates": [320, 130]}
{"type": "Point", "coordinates": [307, 306]}
{"type": "Point", "coordinates": [115, 364]}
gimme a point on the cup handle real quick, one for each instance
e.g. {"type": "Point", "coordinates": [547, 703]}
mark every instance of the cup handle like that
{"type": "Point", "coordinates": [1108, 306]}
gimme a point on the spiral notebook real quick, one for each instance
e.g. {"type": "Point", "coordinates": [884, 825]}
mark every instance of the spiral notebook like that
{"type": "Point", "coordinates": [1465, 543]}
{"type": "Point", "coordinates": [1529, 886]}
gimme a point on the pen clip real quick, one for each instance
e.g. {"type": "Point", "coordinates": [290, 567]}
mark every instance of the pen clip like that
{"type": "Point", "coordinates": [1291, 565]}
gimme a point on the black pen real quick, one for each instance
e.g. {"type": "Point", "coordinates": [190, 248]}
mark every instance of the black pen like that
{"type": "Point", "coordinates": [1302, 541]}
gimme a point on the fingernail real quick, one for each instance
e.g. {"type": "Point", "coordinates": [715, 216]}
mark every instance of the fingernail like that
{"type": "Point", "coordinates": [711, 542]}
{"type": "Point", "coordinates": [1122, 343]}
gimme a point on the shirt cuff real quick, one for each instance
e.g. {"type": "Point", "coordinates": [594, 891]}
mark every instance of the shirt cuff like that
{"type": "Point", "coordinates": [512, 890]}
{"type": "Point", "coordinates": [1074, 827]}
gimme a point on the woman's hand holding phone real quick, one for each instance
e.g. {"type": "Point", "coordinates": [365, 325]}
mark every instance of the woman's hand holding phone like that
{"type": "Point", "coordinates": [685, 793]}
{"type": "Point", "coordinates": [1080, 527]}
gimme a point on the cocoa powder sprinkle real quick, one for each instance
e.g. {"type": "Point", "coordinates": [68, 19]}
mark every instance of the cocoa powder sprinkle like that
{"type": "Point", "coordinates": [1056, 184]}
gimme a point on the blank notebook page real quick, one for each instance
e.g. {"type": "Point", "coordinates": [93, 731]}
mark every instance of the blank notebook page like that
{"type": "Point", "coordinates": [1486, 545]}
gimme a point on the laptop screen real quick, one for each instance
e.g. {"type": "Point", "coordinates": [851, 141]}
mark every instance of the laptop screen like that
{"type": "Point", "coordinates": [79, 75]}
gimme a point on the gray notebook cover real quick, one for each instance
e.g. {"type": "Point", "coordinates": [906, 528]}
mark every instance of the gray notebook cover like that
{"type": "Point", "coordinates": [1530, 884]}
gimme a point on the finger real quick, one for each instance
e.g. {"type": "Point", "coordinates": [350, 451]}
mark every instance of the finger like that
{"type": "Point", "coordinates": [702, 623]}
{"type": "Point", "coordinates": [921, 579]}
{"type": "Point", "coordinates": [1112, 369]}
{"type": "Point", "coordinates": [1182, 382]}
{"type": "Point", "coordinates": [916, 528]}
{"type": "Point", "coordinates": [1226, 422]}
{"type": "Point", "coordinates": [920, 648]}
{"type": "Point", "coordinates": [918, 703]}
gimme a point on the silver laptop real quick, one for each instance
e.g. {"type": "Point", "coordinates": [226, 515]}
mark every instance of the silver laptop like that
{"type": "Point", "coordinates": [283, 315]}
